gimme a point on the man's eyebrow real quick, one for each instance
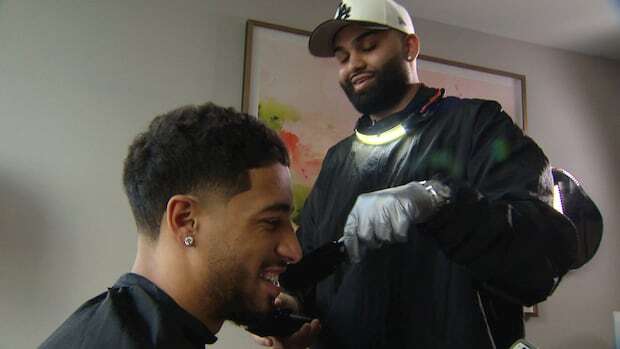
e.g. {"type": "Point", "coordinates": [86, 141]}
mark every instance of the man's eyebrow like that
{"type": "Point", "coordinates": [361, 37]}
{"type": "Point", "coordinates": [277, 207]}
{"type": "Point", "coordinates": [367, 33]}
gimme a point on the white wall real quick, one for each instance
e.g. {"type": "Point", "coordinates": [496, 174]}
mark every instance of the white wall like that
{"type": "Point", "coordinates": [79, 79]}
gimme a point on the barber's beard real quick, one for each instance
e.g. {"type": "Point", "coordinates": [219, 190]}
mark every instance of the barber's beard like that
{"type": "Point", "coordinates": [388, 89]}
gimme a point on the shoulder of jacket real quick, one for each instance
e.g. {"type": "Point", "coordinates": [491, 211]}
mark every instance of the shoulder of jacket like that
{"type": "Point", "coordinates": [465, 109]}
{"type": "Point", "coordinates": [475, 104]}
{"type": "Point", "coordinates": [342, 147]}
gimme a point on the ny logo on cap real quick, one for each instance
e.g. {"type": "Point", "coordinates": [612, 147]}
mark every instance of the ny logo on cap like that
{"type": "Point", "coordinates": [344, 11]}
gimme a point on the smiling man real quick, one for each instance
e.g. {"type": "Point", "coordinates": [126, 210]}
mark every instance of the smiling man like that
{"type": "Point", "coordinates": [442, 203]}
{"type": "Point", "coordinates": [210, 192]}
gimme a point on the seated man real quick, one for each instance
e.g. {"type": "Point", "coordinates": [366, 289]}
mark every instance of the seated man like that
{"type": "Point", "coordinates": [210, 192]}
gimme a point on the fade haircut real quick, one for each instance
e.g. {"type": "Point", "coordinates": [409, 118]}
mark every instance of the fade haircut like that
{"type": "Point", "coordinates": [195, 149]}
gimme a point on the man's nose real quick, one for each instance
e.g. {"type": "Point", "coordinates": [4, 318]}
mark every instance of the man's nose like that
{"type": "Point", "coordinates": [356, 62]}
{"type": "Point", "coordinates": [289, 247]}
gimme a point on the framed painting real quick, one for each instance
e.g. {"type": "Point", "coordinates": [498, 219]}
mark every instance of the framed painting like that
{"type": "Point", "coordinates": [298, 95]}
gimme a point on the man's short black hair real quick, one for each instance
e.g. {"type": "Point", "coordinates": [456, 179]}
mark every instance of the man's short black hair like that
{"type": "Point", "coordinates": [195, 148]}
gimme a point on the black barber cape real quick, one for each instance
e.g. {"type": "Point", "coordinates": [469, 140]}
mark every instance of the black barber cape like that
{"type": "Point", "coordinates": [431, 292]}
{"type": "Point", "coordinates": [134, 313]}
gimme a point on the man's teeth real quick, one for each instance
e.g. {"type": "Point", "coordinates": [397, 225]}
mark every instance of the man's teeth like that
{"type": "Point", "coordinates": [273, 278]}
{"type": "Point", "coordinates": [360, 78]}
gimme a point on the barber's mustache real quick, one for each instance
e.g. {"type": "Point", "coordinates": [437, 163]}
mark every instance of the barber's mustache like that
{"type": "Point", "coordinates": [347, 84]}
{"type": "Point", "coordinates": [360, 74]}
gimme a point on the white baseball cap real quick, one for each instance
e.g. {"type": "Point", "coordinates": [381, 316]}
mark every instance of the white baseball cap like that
{"type": "Point", "coordinates": [381, 14]}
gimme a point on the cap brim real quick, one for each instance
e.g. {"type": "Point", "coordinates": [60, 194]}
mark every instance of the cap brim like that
{"type": "Point", "coordinates": [322, 37]}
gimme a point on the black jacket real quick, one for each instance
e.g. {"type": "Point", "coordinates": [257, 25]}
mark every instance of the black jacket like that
{"type": "Point", "coordinates": [132, 314]}
{"type": "Point", "coordinates": [460, 281]}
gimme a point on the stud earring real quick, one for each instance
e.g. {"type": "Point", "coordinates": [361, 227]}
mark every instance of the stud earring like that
{"type": "Point", "coordinates": [189, 241]}
{"type": "Point", "coordinates": [409, 58]}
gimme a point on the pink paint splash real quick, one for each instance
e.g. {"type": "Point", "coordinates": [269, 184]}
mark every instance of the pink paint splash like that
{"type": "Point", "coordinates": [304, 162]}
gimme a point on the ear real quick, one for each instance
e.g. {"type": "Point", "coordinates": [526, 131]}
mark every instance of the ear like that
{"type": "Point", "coordinates": [411, 46]}
{"type": "Point", "coordinates": [182, 217]}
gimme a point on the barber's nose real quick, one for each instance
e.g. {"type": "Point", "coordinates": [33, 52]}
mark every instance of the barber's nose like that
{"type": "Point", "coordinates": [356, 62]}
{"type": "Point", "coordinates": [289, 247]}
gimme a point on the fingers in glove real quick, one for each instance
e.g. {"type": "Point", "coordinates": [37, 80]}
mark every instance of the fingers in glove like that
{"type": "Point", "coordinates": [350, 239]}
{"type": "Point", "coordinates": [400, 221]}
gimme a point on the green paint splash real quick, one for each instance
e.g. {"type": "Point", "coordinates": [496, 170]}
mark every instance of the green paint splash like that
{"type": "Point", "coordinates": [275, 114]}
{"type": "Point", "coordinates": [300, 193]}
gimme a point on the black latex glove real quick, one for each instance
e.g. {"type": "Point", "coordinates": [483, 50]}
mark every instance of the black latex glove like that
{"type": "Point", "coordinates": [471, 231]}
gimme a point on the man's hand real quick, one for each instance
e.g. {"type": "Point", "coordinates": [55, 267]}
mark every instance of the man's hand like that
{"type": "Point", "coordinates": [384, 216]}
{"type": "Point", "coordinates": [301, 339]}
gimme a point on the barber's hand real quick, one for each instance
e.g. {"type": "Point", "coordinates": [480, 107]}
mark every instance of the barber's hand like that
{"type": "Point", "coordinates": [384, 216]}
{"type": "Point", "coordinates": [301, 339]}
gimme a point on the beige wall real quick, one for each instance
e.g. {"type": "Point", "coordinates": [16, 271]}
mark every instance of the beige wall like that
{"type": "Point", "coordinates": [79, 79]}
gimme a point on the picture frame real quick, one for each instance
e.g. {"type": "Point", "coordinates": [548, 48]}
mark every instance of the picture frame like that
{"type": "Point", "coordinates": [297, 95]}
